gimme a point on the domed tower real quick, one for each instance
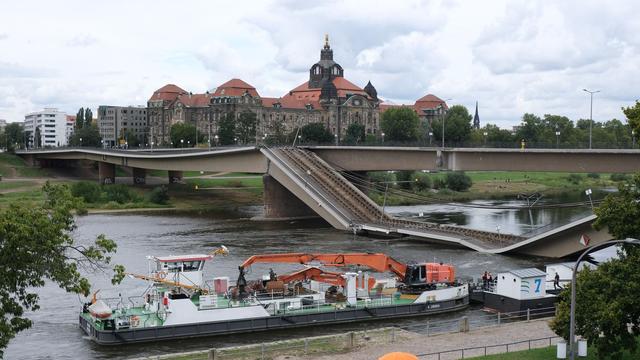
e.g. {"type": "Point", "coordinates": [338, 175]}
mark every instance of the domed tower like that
{"type": "Point", "coordinates": [326, 68]}
{"type": "Point", "coordinates": [371, 90]}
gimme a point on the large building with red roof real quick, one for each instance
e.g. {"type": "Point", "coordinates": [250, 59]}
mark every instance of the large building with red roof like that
{"type": "Point", "coordinates": [327, 98]}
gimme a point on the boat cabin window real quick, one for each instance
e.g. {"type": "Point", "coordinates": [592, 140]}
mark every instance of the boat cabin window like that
{"type": "Point", "coordinates": [414, 274]}
{"type": "Point", "coordinates": [191, 265]}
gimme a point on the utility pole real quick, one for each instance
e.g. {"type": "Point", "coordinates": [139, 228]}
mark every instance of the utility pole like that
{"type": "Point", "coordinates": [590, 113]}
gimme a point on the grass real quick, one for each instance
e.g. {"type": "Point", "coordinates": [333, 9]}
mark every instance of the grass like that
{"type": "Point", "coordinates": [9, 185]}
{"type": "Point", "coordinates": [13, 166]}
{"type": "Point", "coordinates": [546, 353]}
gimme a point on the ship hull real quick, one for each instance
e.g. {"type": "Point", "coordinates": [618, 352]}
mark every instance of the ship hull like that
{"type": "Point", "coordinates": [278, 322]}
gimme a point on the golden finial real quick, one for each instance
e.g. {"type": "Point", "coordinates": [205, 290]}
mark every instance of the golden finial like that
{"type": "Point", "coordinates": [326, 40]}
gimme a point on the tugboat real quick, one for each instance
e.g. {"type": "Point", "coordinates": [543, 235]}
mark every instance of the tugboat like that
{"type": "Point", "coordinates": [179, 303]}
{"type": "Point", "coordinates": [515, 291]}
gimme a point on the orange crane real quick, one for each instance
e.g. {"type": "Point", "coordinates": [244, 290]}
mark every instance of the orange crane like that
{"type": "Point", "coordinates": [411, 275]}
{"type": "Point", "coordinates": [317, 274]}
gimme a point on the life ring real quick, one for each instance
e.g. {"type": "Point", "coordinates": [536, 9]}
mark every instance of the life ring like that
{"type": "Point", "coordinates": [135, 321]}
{"type": "Point", "coordinates": [162, 275]}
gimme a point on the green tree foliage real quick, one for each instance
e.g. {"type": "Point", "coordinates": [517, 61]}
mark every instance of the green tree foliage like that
{"type": "Point", "coordinates": [400, 124]}
{"type": "Point", "coordinates": [13, 136]}
{"type": "Point", "coordinates": [88, 117]}
{"type": "Point", "coordinates": [633, 115]}
{"type": "Point", "coordinates": [458, 181]}
{"type": "Point", "coordinates": [183, 135]}
{"type": "Point", "coordinates": [423, 181]}
{"type": "Point", "coordinates": [315, 133]}
{"type": "Point", "coordinates": [36, 246]}
{"type": "Point", "coordinates": [89, 134]}
{"type": "Point", "coordinates": [607, 302]}
{"type": "Point", "coordinates": [227, 130]}
{"type": "Point", "coordinates": [79, 119]}
{"type": "Point", "coordinates": [405, 179]}
{"type": "Point", "coordinates": [457, 126]}
{"type": "Point", "coordinates": [159, 195]}
{"type": "Point", "coordinates": [355, 134]}
{"type": "Point", "coordinates": [277, 133]}
{"type": "Point", "coordinates": [119, 193]}
{"type": "Point", "coordinates": [88, 191]}
{"type": "Point", "coordinates": [246, 127]}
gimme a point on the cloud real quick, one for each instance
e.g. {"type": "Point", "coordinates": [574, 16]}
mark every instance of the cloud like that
{"type": "Point", "coordinates": [4, 36]}
{"type": "Point", "coordinates": [82, 41]}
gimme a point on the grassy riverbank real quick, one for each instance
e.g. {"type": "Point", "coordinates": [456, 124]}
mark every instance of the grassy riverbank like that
{"type": "Point", "coordinates": [497, 185]}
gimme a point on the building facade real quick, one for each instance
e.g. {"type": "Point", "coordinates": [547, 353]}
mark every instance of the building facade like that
{"type": "Point", "coordinates": [327, 97]}
{"type": "Point", "coordinates": [46, 128]}
{"type": "Point", "coordinates": [118, 124]}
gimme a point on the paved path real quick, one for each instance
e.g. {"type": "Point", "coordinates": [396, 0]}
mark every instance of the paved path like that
{"type": "Point", "coordinates": [420, 344]}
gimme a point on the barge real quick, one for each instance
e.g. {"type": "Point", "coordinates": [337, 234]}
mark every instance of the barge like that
{"type": "Point", "coordinates": [179, 303]}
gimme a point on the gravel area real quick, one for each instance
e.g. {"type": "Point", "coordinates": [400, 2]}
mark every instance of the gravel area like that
{"type": "Point", "coordinates": [421, 344]}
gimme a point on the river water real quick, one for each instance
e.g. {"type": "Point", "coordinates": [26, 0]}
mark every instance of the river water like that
{"type": "Point", "coordinates": [55, 333]}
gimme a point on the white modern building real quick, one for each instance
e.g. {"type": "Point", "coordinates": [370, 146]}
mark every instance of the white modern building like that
{"type": "Point", "coordinates": [46, 128]}
{"type": "Point", "coordinates": [117, 124]}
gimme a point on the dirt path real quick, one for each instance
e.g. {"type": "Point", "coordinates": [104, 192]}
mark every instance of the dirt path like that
{"type": "Point", "coordinates": [420, 344]}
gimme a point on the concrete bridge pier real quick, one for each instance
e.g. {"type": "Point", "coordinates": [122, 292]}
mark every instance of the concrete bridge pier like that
{"type": "Point", "coordinates": [139, 176]}
{"type": "Point", "coordinates": [175, 177]}
{"type": "Point", "coordinates": [280, 203]}
{"type": "Point", "coordinates": [106, 173]}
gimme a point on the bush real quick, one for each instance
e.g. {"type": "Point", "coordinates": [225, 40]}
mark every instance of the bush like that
{"type": "Point", "coordinates": [119, 193]}
{"type": "Point", "coordinates": [380, 178]}
{"type": "Point", "coordinates": [593, 175]}
{"type": "Point", "coordinates": [574, 178]}
{"type": "Point", "coordinates": [90, 192]}
{"type": "Point", "coordinates": [423, 181]}
{"type": "Point", "coordinates": [405, 179]}
{"type": "Point", "coordinates": [159, 195]}
{"type": "Point", "coordinates": [439, 183]}
{"type": "Point", "coordinates": [458, 181]}
{"type": "Point", "coordinates": [619, 177]}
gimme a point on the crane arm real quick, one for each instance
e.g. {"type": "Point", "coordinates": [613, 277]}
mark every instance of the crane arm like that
{"type": "Point", "coordinates": [317, 274]}
{"type": "Point", "coordinates": [377, 262]}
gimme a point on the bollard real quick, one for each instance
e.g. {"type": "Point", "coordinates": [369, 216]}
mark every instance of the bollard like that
{"type": "Point", "coordinates": [498, 318]}
{"type": "Point", "coordinates": [427, 328]}
{"type": "Point", "coordinates": [393, 334]}
{"type": "Point", "coordinates": [212, 354]}
{"type": "Point", "coordinates": [306, 346]}
{"type": "Point", "coordinates": [528, 314]}
{"type": "Point", "coordinates": [464, 324]}
{"type": "Point", "coordinates": [262, 351]}
{"type": "Point", "coordinates": [351, 339]}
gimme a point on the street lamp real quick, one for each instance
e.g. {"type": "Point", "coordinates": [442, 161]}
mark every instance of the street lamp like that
{"type": "Point", "coordinates": [152, 146]}
{"type": "Point", "coordinates": [557, 139]}
{"type": "Point", "coordinates": [430, 136]}
{"type": "Point", "coordinates": [216, 139]}
{"type": "Point", "coordinates": [382, 138]}
{"type": "Point", "coordinates": [633, 139]}
{"type": "Point", "coordinates": [590, 113]}
{"type": "Point", "coordinates": [336, 138]}
{"type": "Point", "coordinates": [182, 143]}
{"type": "Point", "coordinates": [485, 137]}
{"type": "Point", "coordinates": [80, 142]}
{"type": "Point", "coordinates": [572, 321]}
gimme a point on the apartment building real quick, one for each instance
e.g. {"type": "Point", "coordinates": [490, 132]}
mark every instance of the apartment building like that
{"type": "Point", "coordinates": [46, 128]}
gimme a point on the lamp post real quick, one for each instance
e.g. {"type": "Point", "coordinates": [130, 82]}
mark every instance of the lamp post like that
{"type": "Point", "coordinates": [590, 113]}
{"type": "Point", "coordinates": [485, 137]}
{"type": "Point", "coordinates": [80, 142]}
{"type": "Point", "coordinates": [430, 136]}
{"type": "Point", "coordinates": [633, 139]}
{"type": "Point", "coordinates": [216, 139]}
{"type": "Point", "coordinates": [182, 143]}
{"type": "Point", "coordinates": [382, 138]}
{"type": "Point", "coordinates": [152, 146]}
{"type": "Point", "coordinates": [336, 138]}
{"type": "Point", "coordinates": [572, 321]}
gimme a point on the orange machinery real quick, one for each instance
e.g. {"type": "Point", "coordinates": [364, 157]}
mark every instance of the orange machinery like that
{"type": "Point", "coordinates": [423, 275]}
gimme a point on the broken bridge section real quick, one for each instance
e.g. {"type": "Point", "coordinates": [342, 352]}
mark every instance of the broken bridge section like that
{"type": "Point", "coordinates": [325, 191]}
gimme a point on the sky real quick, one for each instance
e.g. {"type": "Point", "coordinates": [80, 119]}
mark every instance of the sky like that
{"type": "Point", "coordinates": [513, 57]}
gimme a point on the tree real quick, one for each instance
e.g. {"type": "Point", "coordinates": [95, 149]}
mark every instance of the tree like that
{"type": "Point", "coordinates": [89, 134]}
{"type": "Point", "coordinates": [277, 133]}
{"type": "Point", "coordinates": [36, 246]}
{"type": "Point", "coordinates": [88, 117]}
{"type": "Point", "coordinates": [183, 135]}
{"type": "Point", "coordinates": [458, 181]}
{"type": "Point", "coordinates": [355, 134]}
{"type": "Point", "coordinates": [400, 124]}
{"type": "Point", "coordinates": [457, 125]}
{"type": "Point", "coordinates": [79, 119]}
{"type": "Point", "coordinates": [607, 306]}
{"type": "Point", "coordinates": [130, 138]}
{"type": "Point", "coordinates": [227, 129]}
{"type": "Point", "coordinates": [13, 135]}
{"type": "Point", "coordinates": [633, 116]}
{"type": "Point", "coordinates": [246, 127]}
{"type": "Point", "coordinates": [316, 133]}
{"type": "Point", "coordinates": [37, 138]}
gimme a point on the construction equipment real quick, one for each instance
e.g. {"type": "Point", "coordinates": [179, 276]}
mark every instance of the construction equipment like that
{"type": "Point", "coordinates": [327, 277]}
{"type": "Point", "coordinates": [414, 276]}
